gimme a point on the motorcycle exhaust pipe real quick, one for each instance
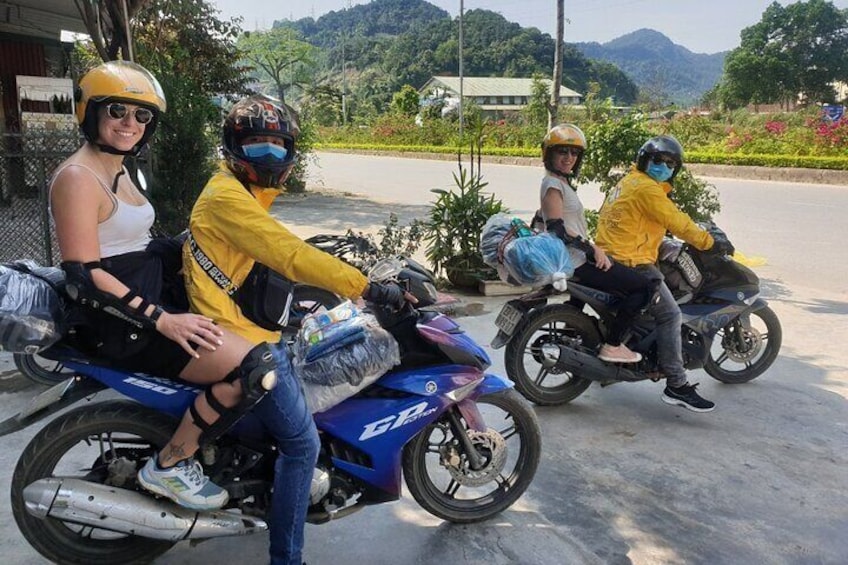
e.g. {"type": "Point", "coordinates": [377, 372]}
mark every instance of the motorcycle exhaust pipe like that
{"type": "Point", "coordinates": [590, 367]}
{"type": "Point", "coordinates": [128, 512]}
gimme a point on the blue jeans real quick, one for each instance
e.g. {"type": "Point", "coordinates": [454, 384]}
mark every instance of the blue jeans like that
{"type": "Point", "coordinates": [285, 415]}
{"type": "Point", "coordinates": [669, 320]}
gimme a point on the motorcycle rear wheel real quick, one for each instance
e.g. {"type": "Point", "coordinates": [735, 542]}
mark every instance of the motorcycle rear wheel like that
{"type": "Point", "coordinates": [70, 446]}
{"type": "Point", "coordinates": [531, 354]}
{"type": "Point", "coordinates": [438, 474]}
{"type": "Point", "coordinates": [41, 370]}
{"type": "Point", "coordinates": [744, 344]}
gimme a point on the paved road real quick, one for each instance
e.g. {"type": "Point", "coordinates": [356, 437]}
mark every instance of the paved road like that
{"type": "Point", "coordinates": [624, 478]}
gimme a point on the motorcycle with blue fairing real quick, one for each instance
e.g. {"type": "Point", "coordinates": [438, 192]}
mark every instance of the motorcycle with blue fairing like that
{"type": "Point", "coordinates": [465, 442]}
{"type": "Point", "coordinates": [728, 329]}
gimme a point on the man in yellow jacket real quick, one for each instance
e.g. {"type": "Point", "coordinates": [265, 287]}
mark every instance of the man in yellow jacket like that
{"type": "Point", "coordinates": [633, 221]}
{"type": "Point", "coordinates": [232, 239]}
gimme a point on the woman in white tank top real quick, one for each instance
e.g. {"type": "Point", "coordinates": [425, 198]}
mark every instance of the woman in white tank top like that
{"type": "Point", "coordinates": [103, 226]}
{"type": "Point", "coordinates": [561, 212]}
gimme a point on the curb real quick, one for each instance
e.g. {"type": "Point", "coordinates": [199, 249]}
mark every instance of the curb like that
{"type": "Point", "coordinates": [744, 172]}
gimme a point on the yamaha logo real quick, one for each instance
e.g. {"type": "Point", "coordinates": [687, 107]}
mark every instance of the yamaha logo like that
{"type": "Point", "coordinates": [431, 387]}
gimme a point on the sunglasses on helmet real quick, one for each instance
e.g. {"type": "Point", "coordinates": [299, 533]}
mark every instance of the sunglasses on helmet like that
{"type": "Point", "coordinates": [568, 150]}
{"type": "Point", "coordinates": [118, 111]}
{"type": "Point", "coordinates": [659, 159]}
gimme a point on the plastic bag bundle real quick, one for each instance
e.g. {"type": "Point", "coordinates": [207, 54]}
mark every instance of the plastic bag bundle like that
{"type": "Point", "coordinates": [343, 346]}
{"type": "Point", "coordinates": [538, 260]}
{"type": "Point", "coordinates": [320, 397]}
{"type": "Point", "coordinates": [497, 232]}
{"type": "Point", "coordinates": [30, 308]}
{"type": "Point", "coordinates": [522, 257]}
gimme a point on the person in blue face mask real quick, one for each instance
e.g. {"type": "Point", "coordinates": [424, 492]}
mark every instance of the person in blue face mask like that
{"type": "Point", "coordinates": [235, 244]}
{"type": "Point", "coordinates": [633, 221]}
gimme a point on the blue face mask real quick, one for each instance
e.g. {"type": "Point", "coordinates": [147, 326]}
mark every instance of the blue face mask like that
{"type": "Point", "coordinates": [660, 172]}
{"type": "Point", "coordinates": [265, 151]}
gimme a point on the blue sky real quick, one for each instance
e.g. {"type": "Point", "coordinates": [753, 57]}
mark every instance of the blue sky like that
{"type": "Point", "coordinates": [700, 26]}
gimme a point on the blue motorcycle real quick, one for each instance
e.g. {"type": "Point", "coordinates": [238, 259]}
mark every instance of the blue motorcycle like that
{"type": "Point", "coordinates": [465, 442]}
{"type": "Point", "coordinates": [728, 329]}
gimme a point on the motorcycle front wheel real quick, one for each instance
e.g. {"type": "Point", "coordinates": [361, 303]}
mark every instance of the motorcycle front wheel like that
{"type": "Point", "coordinates": [437, 469]}
{"type": "Point", "coordinates": [743, 349]}
{"type": "Point", "coordinates": [105, 443]}
{"type": "Point", "coordinates": [531, 355]}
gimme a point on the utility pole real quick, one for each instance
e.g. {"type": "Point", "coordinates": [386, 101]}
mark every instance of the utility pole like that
{"type": "Point", "coordinates": [344, 83]}
{"type": "Point", "coordinates": [553, 106]}
{"type": "Point", "coordinates": [461, 117]}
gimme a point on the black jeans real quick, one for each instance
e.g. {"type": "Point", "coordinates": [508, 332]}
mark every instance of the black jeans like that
{"type": "Point", "coordinates": [635, 289]}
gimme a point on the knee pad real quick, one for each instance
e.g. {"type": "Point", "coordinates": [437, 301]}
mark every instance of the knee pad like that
{"type": "Point", "coordinates": [257, 376]}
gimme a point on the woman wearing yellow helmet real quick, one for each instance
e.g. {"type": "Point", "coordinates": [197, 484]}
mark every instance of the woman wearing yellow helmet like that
{"type": "Point", "coordinates": [103, 226]}
{"type": "Point", "coordinates": [563, 149]}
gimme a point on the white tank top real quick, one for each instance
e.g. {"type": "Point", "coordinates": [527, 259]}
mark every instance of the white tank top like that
{"type": "Point", "coordinates": [127, 228]}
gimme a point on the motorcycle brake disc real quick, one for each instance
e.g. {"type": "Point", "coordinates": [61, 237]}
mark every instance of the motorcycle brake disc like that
{"type": "Point", "coordinates": [493, 447]}
{"type": "Point", "coordinates": [751, 337]}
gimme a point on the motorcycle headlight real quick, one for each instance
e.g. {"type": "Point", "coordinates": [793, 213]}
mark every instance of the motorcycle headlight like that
{"type": "Point", "coordinates": [751, 299]}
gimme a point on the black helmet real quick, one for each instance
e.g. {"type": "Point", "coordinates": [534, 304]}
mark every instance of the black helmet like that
{"type": "Point", "coordinates": [264, 117]}
{"type": "Point", "coordinates": [664, 145]}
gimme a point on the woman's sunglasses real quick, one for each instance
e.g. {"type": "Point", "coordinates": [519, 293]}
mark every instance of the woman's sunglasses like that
{"type": "Point", "coordinates": [573, 151]}
{"type": "Point", "coordinates": [118, 111]}
{"type": "Point", "coordinates": [659, 159]}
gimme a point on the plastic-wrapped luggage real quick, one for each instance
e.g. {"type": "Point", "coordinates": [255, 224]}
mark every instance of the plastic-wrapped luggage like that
{"type": "Point", "coordinates": [522, 256]}
{"type": "Point", "coordinates": [339, 352]}
{"type": "Point", "coordinates": [30, 307]}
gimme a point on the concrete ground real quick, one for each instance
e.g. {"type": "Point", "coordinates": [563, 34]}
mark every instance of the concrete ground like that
{"type": "Point", "coordinates": [624, 478]}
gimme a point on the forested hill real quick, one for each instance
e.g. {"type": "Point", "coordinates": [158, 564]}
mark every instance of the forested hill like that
{"type": "Point", "coordinates": [380, 17]}
{"type": "Point", "coordinates": [657, 64]}
{"type": "Point", "coordinates": [389, 43]}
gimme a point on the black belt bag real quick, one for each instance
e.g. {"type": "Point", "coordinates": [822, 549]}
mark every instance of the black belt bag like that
{"type": "Point", "coordinates": [264, 297]}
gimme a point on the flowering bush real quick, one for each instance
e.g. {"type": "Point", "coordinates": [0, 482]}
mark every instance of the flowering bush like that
{"type": "Point", "coordinates": [776, 128]}
{"type": "Point", "coordinates": [800, 133]}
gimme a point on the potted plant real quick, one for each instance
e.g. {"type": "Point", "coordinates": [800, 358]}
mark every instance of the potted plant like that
{"type": "Point", "coordinates": [453, 229]}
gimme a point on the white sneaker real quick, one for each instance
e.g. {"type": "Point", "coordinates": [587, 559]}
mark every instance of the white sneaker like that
{"type": "Point", "coordinates": [184, 483]}
{"type": "Point", "coordinates": [618, 354]}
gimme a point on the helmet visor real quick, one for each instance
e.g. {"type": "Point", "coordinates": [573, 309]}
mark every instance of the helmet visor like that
{"type": "Point", "coordinates": [265, 152]}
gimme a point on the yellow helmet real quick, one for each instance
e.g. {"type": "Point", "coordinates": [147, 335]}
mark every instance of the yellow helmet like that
{"type": "Point", "coordinates": [122, 81]}
{"type": "Point", "coordinates": [564, 135]}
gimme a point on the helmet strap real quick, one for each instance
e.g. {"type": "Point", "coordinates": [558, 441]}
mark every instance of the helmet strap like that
{"type": "Point", "coordinates": [114, 151]}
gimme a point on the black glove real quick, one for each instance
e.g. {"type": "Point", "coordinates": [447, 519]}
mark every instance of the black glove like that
{"type": "Point", "coordinates": [557, 228]}
{"type": "Point", "coordinates": [722, 247]}
{"type": "Point", "coordinates": [388, 294]}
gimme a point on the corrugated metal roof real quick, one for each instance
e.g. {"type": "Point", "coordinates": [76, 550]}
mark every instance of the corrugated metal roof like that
{"type": "Point", "coordinates": [41, 18]}
{"type": "Point", "coordinates": [493, 86]}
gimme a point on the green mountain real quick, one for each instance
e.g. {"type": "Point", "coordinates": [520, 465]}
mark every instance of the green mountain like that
{"type": "Point", "coordinates": [388, 43]}
{"type": "Point", "coordinates": [660, 66]}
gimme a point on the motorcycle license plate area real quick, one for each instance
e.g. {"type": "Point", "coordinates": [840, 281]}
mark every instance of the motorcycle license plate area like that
{"type": "Point", "coordinates": [508, 318]}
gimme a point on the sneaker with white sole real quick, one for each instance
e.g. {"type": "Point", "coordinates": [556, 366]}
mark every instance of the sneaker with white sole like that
{"type": "Point", "coordinates": [687, 397]}
{"type": "Point", "coordinates": [184, 483]}
{"type": "Point", "coordinates": [618, 354]}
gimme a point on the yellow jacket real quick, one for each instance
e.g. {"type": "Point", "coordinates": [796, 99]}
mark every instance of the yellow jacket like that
{"type": "Point", "coordinates": [234, 229]}
{"type": "Point", "coordinates": [636, 216]}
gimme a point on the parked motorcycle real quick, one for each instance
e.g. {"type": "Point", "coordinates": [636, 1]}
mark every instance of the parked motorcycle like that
{"type": "Point", "coordinates": [466, 443]}
{"type": "Point", "coordinates": [355, 250]}
{"type": "Point", "coordinates": [551, 348]}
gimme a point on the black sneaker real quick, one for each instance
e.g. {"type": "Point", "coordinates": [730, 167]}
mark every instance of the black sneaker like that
{"type": "Point", "coordinates": [687, 397]}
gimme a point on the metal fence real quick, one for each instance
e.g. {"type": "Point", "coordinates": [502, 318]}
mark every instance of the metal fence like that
{"type": "Point", "coordinates": [26, 163]}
